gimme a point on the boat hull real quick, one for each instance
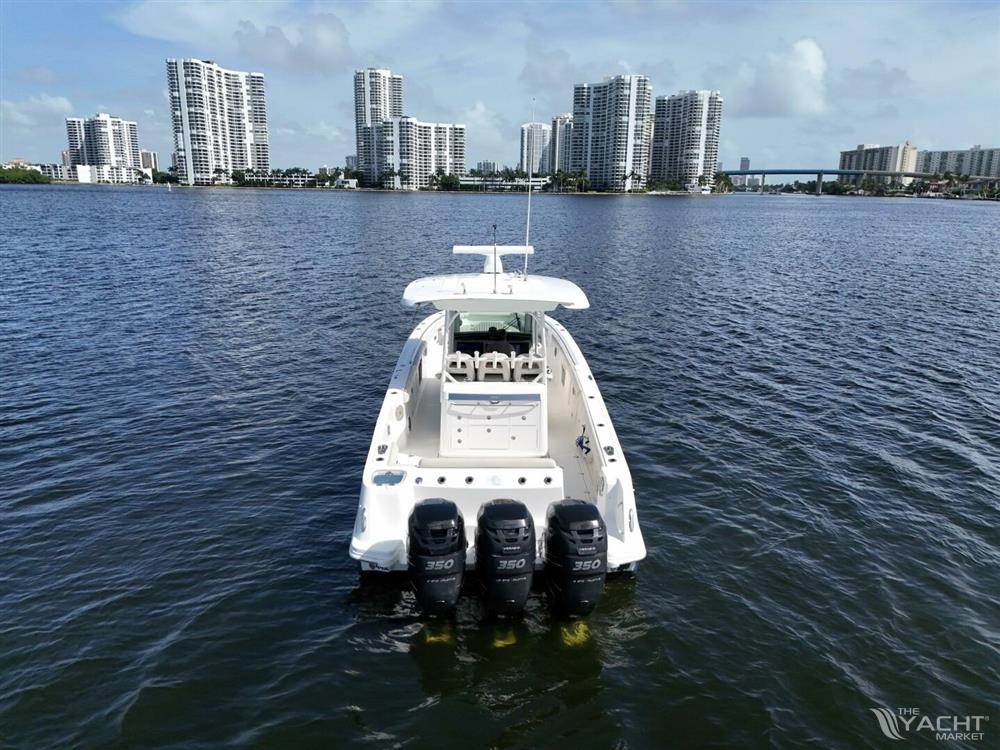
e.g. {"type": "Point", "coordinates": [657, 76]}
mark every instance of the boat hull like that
{"type": "Point", "coordinates": [584, 459]}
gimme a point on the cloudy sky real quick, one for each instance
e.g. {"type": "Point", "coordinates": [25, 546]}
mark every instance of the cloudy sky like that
{"type": "Point", "coordinates": [801, 80]}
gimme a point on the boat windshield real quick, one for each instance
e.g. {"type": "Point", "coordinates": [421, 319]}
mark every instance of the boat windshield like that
{"type": "Point", "coordinates": [508, 333]}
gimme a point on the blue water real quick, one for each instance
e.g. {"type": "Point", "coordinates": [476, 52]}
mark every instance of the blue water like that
{"type": "Point", "coordinates": [807, 390]}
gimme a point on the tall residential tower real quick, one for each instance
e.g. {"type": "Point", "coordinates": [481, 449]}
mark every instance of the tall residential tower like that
{"type": "Point", "coordinates": [219, 119]}
{"type": "Point", "coordinates": [415, 151]}
{"type": "Point", "coordinates": [108, 143]}
{"type": "Point", "coordinates": [612, 126]}
{"type": "Point", "coordinates": [686, 138]}
{"type": "Point", "coordinates": [378, 96]}
{"type": "Point", "coordinates": [535, 148]}
{"type": "Point", "coordinates": [559, 143]}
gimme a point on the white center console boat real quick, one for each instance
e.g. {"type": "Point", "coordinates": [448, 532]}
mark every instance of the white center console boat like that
{"type": "Point", "coordinates": [494, 452]}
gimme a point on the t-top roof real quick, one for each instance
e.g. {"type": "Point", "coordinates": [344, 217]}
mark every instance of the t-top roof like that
{"type": "Point", "coordinates": [493, 290]}
{"type": "Point", "coordinates": [501, 292]}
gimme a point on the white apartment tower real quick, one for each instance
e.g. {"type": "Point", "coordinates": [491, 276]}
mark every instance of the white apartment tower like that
{"type": "Point", "coordinates": [378, 96]}
{"type": "Point", "coordinates": [535, 148]}
{"type": "Point", "coordinates": [103, 140]}
{"type": "Point", "coordinates": [612, 127]}
{"type": "Point", "coordinates": [901, 158]}
{"type": "Point", "coordinates": [686, 138]}
{"type": "Point", "coordinates": [559, 143]}
{"type": "Point", "coordinates": [219, 120]}
{"type": "Point", "coordinates": [413, 151]}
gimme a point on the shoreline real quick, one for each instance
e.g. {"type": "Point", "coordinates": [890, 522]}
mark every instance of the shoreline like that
{"type": "Point", "coordinates": [589, 193]}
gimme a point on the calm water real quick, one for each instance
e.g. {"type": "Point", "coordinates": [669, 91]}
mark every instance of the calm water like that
{"type": "Point", "coordinates": [808, 391]}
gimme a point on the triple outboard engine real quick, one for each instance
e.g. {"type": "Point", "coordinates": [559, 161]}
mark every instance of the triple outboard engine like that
{"type": "Point", "coordinates": [505, 555]}
{"type": "Point", "coordinates": [576, 556]}
{"type": "Point", "coordinates": [436, 554]}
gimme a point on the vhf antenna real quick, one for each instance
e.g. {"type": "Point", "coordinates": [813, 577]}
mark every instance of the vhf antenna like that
{"type": "Point", "coordinates": [531, 149]}
{"type": "Point", "coordinates": [494, 258]}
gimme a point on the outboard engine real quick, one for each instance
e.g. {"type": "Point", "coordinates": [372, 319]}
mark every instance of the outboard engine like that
{"type": "Point", "coordinates": [505, 555]}
{"type": "Point", "coordinates": [576, 556]}
{"type": "Point", "coordinates": [436, 556]}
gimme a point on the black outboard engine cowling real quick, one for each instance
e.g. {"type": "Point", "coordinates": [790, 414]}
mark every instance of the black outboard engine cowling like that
{"type": "Point", "coordinates": [505, 555]}
{"type": "Point", "coordinates": [576, 556]}
{"type": "Point", "coordinates": [436, 554]}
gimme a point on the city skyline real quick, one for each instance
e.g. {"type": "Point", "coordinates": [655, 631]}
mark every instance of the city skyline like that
{"type": "Point", "coordinates": [817, 82]}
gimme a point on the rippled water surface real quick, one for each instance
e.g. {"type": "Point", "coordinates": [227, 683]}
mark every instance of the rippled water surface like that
{"type": "Point", "coordinates": [807, 390]}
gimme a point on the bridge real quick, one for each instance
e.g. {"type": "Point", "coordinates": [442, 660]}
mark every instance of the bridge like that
{"type": "Point", "coordinates": [821, 173]}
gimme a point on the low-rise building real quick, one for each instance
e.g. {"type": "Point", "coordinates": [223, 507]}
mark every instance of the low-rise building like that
{"type": "Point", "coordinates": [495, 182]}
{"type": "Point", "coordinates": [278, 178]}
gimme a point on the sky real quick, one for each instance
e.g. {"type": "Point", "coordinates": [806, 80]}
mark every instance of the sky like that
{"type": "Point", "coordinates": [801, 81]}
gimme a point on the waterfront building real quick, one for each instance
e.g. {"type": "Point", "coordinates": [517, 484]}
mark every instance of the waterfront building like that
{"type": "Point", "coordinates": [219, 119]}
{"type": "Point", "coordinates": [105, 141]}
{"type": "Point", "coordinates": [287, 178]}
{"type": "Point", "coordinates": [495, 182]}
{"type": "Point", "coordinates": [150, 160]}
{"type": "Point", "coordinates": [686, 138]}
{"type": "Point", "coordinates": [612, 127]}
{"type": "Point", "coordinates": [559, 142]}
{"type": "Point", "coordinates": [351, 162]}
{"type": "Point", "coordinates": [412, 152]}
{"type": "Point", "coordinates": [378, 96]}
{"type": "Point", "coordinates": [535, 148]}
{"type": "Point", "coordinates": [487, 167]}
{"type": "Point", "coordinates": [901, 158]}
{"type": "Point", "coordinates": [55, 171]}
{"type": "Point", "coordinates": [978, 161]}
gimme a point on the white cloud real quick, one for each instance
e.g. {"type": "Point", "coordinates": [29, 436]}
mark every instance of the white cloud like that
{"type": "Point", "coordinates": [206, 26]}
{"type": "Point", "coordinates": [35, 111]}
{"type": "Point", "coordinates": [489, 133]}
{"type": "Point", "coordinates": [316, 44]}
{"type": "Point", "coordinates": [325, 130]}
{"type": "Point", "coordinates": [787, 83]}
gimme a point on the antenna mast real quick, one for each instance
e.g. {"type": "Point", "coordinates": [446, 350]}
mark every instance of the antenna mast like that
{"type": "Point", "coordinates": [531, 155]}
{"type": "Point", "coordinates": [494, 258]}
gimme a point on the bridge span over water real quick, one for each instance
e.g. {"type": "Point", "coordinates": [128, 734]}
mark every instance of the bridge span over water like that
{"type": "Point", "coordinates": [821, 173]}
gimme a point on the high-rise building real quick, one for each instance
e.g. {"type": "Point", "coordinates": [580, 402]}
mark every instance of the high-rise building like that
{"type": "Point", "coordinates": [612, 126]}
{"type": "Point", "coordinates": [534, 148]}
{"type": "Point", "coordinates": [686, 138]}
{"type": "Point", "coordinates": [559, 142]}
{"type": "Point", "coordinates": [104, 141]}
{"type": "Point", "coordinates": [351, 161]}
{"type": "Point", "coordinates": [150, 160]}
{"type": "Point", "coordinates": [487, 167]}
{"type": "Point", "coordinates": [219, 120]}
{"type": "Point", "coordinates": [871, 156]}
{"type": "Point", "coordinates": [976, 161]}
{"type": "Point", "coordinates": [378, 96]}
{"type": "Point", "coordinates": [413, 151]}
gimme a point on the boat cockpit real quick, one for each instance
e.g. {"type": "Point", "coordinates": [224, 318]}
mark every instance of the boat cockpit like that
{"type": "Point", "coordinates": [504, 347]}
